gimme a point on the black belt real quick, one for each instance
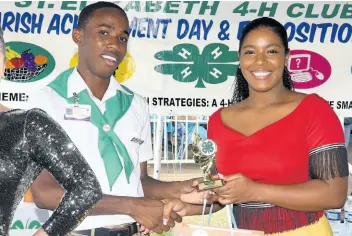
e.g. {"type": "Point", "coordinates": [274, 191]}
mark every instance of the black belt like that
{"type": "Point", "coordinates": [121, 230]}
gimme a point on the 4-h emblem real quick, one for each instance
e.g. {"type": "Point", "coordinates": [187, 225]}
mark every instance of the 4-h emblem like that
{"type": "Point", "coordinates": [207, 147]}
{"type": "Point", "coordinates": [186, 64]}
{"type": "Point", "coordinates": [34, 224]}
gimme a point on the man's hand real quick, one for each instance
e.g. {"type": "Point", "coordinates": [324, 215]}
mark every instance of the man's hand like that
{"type": "Point", "coordinates": [174, 205]}
{"type": "Point", "coordinates": [149, 213]}
{"type": "Point", "coordinates": [185, 209]}
{"type": "Point", "coordinates": [190, 193]}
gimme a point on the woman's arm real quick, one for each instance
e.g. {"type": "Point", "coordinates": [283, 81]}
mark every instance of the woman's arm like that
{"type": "Point", "coordinates": [311, 196]}
{"type": "Point", "coordinates": [326, 189]}
{"type": "Point", "coordinates": [51, 148]}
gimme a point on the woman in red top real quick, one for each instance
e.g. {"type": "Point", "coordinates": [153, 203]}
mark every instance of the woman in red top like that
{"type": "Point", "coordinates": [281, 152]}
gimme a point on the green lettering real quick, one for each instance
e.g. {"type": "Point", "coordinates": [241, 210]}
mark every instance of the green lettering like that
{"type": "Point", "coordinates": [190, 5]}
{"type": "Point", "coordinates": [346, 11]}
{"type": "Point", "coordinates": [169, 5]}
{"type": "Point", "coordinates": [41, 4]}
{"type": "Point", "coordinates": [152, 6]}
{"type": "Point", "coordinates": [263, 8]}
{"type": "Point", "coordinates": [83, 5]}
{"type": "Point", "coordinates": [133, 5]}
{"type": "Point", "coordinates": [66, 5]}
{"type": "Point", "coordinates": [241, 9]}
{"type": "Point", "coordinates": [213, 7]}
{"type": "Point", "coordinates": [290, 9]}
{"type": "Point", "coordinates": [23, 4]}
{"type": "Point", "coordinates": [310, 13]}
{"type": "Point", "coordinates": [326, 8]}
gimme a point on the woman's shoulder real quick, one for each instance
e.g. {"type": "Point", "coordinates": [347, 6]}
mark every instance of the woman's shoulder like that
{"type": "Point", "coordinates": [36, 111]}
{"type": "Point", "coordinates": [314, 103]}
{"type": "Point", "coordinates": [16, 111]}
{"type": "Point", "coordinates": [37, 115]}
{"type": "Point", "coordinates": [215, 117]}
{"type": "Point", "coordinates": [310, 98]}
{"type": "Point", "coordinates": [307, 103]}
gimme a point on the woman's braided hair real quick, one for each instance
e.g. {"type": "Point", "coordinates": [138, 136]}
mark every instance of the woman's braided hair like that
{"type": "Point", "coordinates": [241, 89]}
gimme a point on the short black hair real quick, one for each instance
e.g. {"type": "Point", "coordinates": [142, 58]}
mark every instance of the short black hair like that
{"type": "Point", "coordinates": [87, 12]}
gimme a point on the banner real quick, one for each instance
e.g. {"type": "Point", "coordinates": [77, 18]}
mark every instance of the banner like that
{"type": "Point", "coordinates": [27, 219]}
{"type": "Point", "coordinates": [182, 55]}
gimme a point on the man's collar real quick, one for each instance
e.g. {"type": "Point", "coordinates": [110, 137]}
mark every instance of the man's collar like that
{"type": "Point", "coordinates": [76, 84]}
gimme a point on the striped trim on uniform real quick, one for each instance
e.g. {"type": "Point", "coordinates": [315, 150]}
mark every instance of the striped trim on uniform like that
{"type": "Point", "coordinates": [255, 205]}
{"type": "Point", "coordinates": [326, 147]}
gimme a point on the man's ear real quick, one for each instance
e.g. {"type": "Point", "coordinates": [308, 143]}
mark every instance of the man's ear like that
{"type": "Point", "coordinates": [77, 36]}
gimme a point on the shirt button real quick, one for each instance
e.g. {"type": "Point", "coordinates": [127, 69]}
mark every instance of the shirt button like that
{"type": "Point", "coordinates": [106, 128]}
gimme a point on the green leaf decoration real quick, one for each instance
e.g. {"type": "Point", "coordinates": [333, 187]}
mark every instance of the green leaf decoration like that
{"type": "Point", "coordinates": [17, 225]}
{"type": "Point", "coordinates": [186, 64]}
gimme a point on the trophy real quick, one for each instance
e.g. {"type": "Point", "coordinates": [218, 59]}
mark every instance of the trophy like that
{"type": "Point", "coordinates": [204, 155]}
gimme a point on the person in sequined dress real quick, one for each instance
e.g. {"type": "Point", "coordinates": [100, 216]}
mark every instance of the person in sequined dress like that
{"type": "Point", "coordinates": [29, 142]}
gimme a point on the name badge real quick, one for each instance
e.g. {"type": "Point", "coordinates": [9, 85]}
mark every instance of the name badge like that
{"type": "Point", "coordinates": [77, 112]}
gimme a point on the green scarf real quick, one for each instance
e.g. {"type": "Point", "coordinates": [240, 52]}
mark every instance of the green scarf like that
{"type": "Point", "coordinates": [116, 107]}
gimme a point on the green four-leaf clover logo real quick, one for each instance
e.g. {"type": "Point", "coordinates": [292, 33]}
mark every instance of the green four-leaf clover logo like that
{"type": "Point", "coordinates": [186, 64]}
{"type": "Point", "coordinates": [208, 147]}
{"type": "Point", "coordinates": [34, 224]}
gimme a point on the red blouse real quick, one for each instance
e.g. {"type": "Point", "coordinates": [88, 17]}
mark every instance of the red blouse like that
{"type": "Point", "coordinates": [306, 144]}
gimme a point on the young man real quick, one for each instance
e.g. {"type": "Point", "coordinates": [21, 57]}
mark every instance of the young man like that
{"type": "Point", "coordinates": [116, 140]}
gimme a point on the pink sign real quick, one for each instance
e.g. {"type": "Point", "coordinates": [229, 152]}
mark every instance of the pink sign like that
{"type": "Point", "coordinates": [308, 69]}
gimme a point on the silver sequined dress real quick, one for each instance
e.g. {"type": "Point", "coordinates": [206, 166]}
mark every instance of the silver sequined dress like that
{"type": "Point", "coordinates": [31, 141]}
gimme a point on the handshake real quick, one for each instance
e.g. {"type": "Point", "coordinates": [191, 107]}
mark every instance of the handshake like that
{"type": "Point", "coordinates": [160, 215]}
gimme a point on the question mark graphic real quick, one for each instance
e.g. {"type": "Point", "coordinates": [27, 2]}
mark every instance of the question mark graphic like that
{"type": "Point", "coordinates": [298, 61]}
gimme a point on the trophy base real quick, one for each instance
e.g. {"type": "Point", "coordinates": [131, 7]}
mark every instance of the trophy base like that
{"type": "Point", "coordinates": [210, 184]}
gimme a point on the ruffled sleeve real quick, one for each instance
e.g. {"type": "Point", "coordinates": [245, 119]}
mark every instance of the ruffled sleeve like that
{"type": "Point", "coordinates": [325, 140]}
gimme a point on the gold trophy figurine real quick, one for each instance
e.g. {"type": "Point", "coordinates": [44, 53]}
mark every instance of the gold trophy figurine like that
{"type": "Point", "coordinates": [204, 155]}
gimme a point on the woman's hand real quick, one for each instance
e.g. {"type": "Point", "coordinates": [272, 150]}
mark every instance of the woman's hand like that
{"type": "Point", "coordinates": [237, 189]}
